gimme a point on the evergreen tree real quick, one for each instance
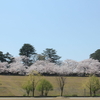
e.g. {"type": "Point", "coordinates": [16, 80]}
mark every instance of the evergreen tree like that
{"type": "Point", "coordinates": [51, 54]}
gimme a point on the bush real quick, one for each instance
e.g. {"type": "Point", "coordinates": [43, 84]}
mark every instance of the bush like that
{"type": "Point", "coordinates": [24, 95]}
{"type": "Point", "coordinates": [44, 87]}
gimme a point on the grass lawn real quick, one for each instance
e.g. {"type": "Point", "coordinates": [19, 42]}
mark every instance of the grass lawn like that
{"type": "Point", "coordinates": [12, 86]}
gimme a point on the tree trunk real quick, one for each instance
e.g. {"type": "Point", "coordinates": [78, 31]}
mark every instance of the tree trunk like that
{"type": "Point", "coordinates": [90, 92]}
{"type": "Point", "coordinates": [42, 93]}
{"type": "Point", "coordinates": [27, 93]}
{"type": "Point", "coordinates": [45, 93]}
{"type": "Point", "coordinates": [33, 92]}
{"type": "Point", "coordinates": [33, 88]}
{"type": "Point", "coordinates": [62, 92]}
{"type": "Point", "coordinates": [94, 93]}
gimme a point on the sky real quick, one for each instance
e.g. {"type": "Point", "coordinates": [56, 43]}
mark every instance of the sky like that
{"type": "Point", "coordinates": [71, 27]}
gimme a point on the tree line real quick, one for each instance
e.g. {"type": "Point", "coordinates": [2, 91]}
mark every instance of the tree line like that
{"type": "Point", "coordinates": [49, 53]}
{"type": "Point", "coordinates": [47, 63]}
{"type": "Point", "coordinates": [37, 82]}
{"type": "Point", "coordinates": [29, 51]}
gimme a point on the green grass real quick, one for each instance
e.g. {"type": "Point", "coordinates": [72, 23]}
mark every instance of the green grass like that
{"type": "Point", "coordinates": [12, 86]}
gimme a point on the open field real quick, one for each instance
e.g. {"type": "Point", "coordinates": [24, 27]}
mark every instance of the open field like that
{"type": "Point", "coordinates": [12, 86]}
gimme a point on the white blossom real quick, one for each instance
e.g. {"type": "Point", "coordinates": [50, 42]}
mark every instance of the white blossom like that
{"type": "Point", "coordinates": [4, 67]}
{"type": "Point", "coordinates": [88, 66]}
{"type": "Point", "coordinates": [17, 66]}
{"type": "Point", "coordinates": [43, 66]}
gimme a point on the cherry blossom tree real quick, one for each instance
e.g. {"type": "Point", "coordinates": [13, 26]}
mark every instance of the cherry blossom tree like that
{"type": "Point", "coordinates": [87, 67]}
{"type": "Point", "coordinates": [68, 67]}
{"type": "Point", "coordinates": [46, 67]}
{"type": "Point", "coordinates": [43, 67]}
{"type": "Point", "coordinates": [17, 67]}
{"type": "Point", "coordinates": [4, 67]}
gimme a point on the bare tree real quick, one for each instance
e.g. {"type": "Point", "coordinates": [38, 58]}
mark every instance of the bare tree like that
{"type": "Point", "coordinates": [61, 81]}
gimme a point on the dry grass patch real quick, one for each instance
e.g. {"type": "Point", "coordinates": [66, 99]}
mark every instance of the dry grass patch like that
{"type": "Point", "coordinates": [12, 86]}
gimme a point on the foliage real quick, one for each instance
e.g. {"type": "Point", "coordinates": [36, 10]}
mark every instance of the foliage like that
{"type": "Point", "coordinates": [93, 84]}
{"type": "Point", "coordinates": [2, 57]}
{"type": "Point", "coordinates": [28, 51]}
{"type": "Point", "coordinates": [40, 57]}
{"type": "Point", "coordinates": [47, 63]}
{"type": "Point", "coordinates": [27, 86]}
{"type": "Point", "coordinates": [96, 55]}
{"type": "Point", "coordinates": [44, 87]}
{"type": "Point", "coordinates": [34, 81]}
{"type": "Point", "coordinates": [8, 57]}
{"type": "Point", "coordinates": [51, 54]}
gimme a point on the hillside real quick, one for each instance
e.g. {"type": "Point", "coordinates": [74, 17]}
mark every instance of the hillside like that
{"type": "Point", "coordinates": [11, 86]}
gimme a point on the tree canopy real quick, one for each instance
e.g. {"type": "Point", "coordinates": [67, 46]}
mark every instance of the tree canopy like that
{"type": "Point", "coordinates": [6, 57]}
{"type": "Point", "coordinates": [28, 87]}
{"type": "Point", "coordinates": [93, 84]}
{"type": "Point", "coordinates": [2, 57]}
{"type": "Point", "coordinates": [96, 55]}
{"type": "Point", "coordinates": [50, 53]}
{"type": "Point", "coordinates": [44, 87]}
{"type": "Point", "coordinates": [27, 50]}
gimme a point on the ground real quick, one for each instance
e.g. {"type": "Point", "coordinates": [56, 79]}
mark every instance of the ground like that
{"type": "Point", "coordinates": [12, 86]}
{"type": "Point", "coordinates": [55, 98]}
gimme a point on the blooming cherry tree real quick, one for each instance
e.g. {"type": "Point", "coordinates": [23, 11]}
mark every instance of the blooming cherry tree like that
{"type": "Point", "coordinates": [68, 67]}
{"type": "Point", "coordinates": [43, 66]}
{"type": "Point", "coordinates": [4, 67]}
{"type": "Point", "coordinates": [17, 67]}
{"type": "Point", "coordinates": [88, 66]}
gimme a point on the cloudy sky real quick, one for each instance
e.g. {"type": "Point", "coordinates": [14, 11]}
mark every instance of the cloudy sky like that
{"type": "Point", "coordinates": [71, 27]}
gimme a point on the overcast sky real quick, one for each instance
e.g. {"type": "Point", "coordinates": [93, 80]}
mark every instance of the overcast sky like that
{"type": "Point", "coordinates": [71, 27]}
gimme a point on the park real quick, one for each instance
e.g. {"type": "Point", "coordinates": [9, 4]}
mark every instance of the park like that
{"type": "Point", "coordinates": [49, 50]}
{"type": "Point", "coordinates": [45, 75]}
{"type": "Point", "coordinates": [74, 86]}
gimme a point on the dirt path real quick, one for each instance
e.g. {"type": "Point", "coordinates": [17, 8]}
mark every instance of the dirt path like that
{"type": "Point", "coordinates": [55, 98]}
